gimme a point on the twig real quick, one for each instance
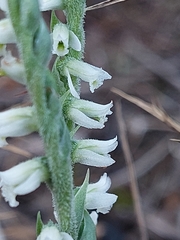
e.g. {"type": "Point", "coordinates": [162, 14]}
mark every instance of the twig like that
{"type": "Point", "coordinates": [132, 174]}
{"type": "Point", "coordinates": [150, 108]}
{"type": "Point", "coordinates": [103, 4]}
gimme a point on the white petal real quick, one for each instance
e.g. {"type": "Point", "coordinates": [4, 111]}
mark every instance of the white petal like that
{"type": "Point", "coordinates": [49, 233]}
{"type": "Point", "coordinates": [31, 184]}
{"type": "Point", "coordinates": [7, 32]}
{"type": "Point", "coordinates": [93, 109]}
{"type": "Point", "coordinates": [100, 201]}
{"type": "Point", "coordinates": [46, 5]}
{"type": "Point", "coordinates": [102, 185]}
{"type": "Point", "coordinates": [9, 195]}
{"type": "Point", "coordinates": [18, 173]}
{"type": "Point", "coordinates": [74, 41]}
{"type": "Point", "coordinates": [87, 157]}
{"type": "Point", "coordinates": [81, 119]}
{"type": "Point", "coordinates": [98, 146]}
{"type": "Point", "coordinates": [4, 5]}
{"type": "Point", "coordinates": [70, 84]}
{"type": "Point", "coordinates": [94, 217]}
{"type": "Point", "coordinates": [65, 236]}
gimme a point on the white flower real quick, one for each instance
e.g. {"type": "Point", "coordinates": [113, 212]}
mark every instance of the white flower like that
{"type": "Point", "coordinates": [46, 5]}
{"type": "Point", "coordinates": [4, 5]}
{"type": "Point", "coordinates": [86, 72]}
{"type": "Point", "coordinates": [21, 179]}
{"type": "Point", "coordinates": [52, 233]}
{"type": "Point", "coordinates": [97, 198]}
{"type": "Point", "coordinates": [13, 68]}
{"type": "Point", "coordinates": [63, 38]}
{"type": "Point", "coordinates": [89, 114]}
{"type": "Point", "coordinates": [94, 152]}
{"type": "Point", "coordinates": [7, 32]}
{"type": "Point", "coordinates": [16, 122]}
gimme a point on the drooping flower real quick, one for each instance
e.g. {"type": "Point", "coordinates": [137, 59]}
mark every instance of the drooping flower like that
{"type": "Point", "coordinates": [63, 38]}
{"type": "Point", "coordinates": [97, 196]}
{"type": "Point", "coordinates": [52, 233]}
{"type": "Point", "coordinates": [13, 68]}
{"type": "Point", "coordinates": [86, 72]}
{"type": "Point", "coordinates": [94, 152]}
{"type": "Point", "coordinates": [89, 114]}
{"type": "Point", "coordinates": [22, 179]}
{"type": "Point", "coordinates": [16, 122]}
{"type": "Point", "coordinates": [45, 5]}
{"type": "Point", "coordinates": [7, 32]}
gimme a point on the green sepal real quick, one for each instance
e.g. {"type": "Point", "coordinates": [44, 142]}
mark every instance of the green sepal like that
{"type": "Point", "coordinates": [87, 229]}
{"type": "Point", "coordinates": [39, 224]}
{"type": "Point", "coordinates": [54, 20]}
{"type": "Point", "coordinates": [80, 197]}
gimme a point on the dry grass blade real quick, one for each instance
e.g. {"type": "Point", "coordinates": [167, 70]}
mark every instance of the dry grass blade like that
{"type": "Point", "coordinates": [103, 4]}
{"type": "Point", "coordinates": [150, 108]}
{"type": "Point", "coordinates": [132, 173]}
{"type": "Point", "coordinates": [17, 150]}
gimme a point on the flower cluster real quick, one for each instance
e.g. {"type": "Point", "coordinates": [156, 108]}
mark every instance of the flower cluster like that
{"type": "Point", "coordinates": [27, 176]}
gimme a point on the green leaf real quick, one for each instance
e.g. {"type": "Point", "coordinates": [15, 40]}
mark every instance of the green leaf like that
{"type": "Point", "coordinates": [80, 200]}
{"type": "Point", "coordinates": [88, 229]}
{"type": "Point", "coordinates": [39, 224]}
{"type": "Point", "coordinates": [54, 20]}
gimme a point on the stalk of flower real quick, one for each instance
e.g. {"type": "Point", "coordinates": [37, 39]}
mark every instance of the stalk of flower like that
{"type": "Point", "coordinates": [52, 233]}
{"type": "Point", "coordinates": [94, 152]}
{"type": "Point", "coordinates": [7, 32]}
{"type": "Point", "coordinates": [97, 196]}
{"type": "Point", "coordinates": [89, 114]}
{"type": "Point", "coordinates": [22, 179]}
{"type": "Point", "coordinates": [13, 68]}
{"type": "Point", "coordinates": [93, 75]}
{"type": "Point", "coordinates": [63, 38]}
{"type": "Point", "coordinates": [16, 122]}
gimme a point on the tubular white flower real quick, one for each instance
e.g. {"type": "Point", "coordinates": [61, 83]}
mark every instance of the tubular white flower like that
{"type": "Point", "coordinates": [63, 39]}
{"type": "Point", "coordinates": [7, 32]}
{"type": "Point", "coordinates": [86, 72]}
{"type": "Point", "coordinates": [89, 114]}
{"type": "Point", "coordinates": [16, 122]}
{"type": "Point", "coordinates": [94, 152]}
{"type": "Point", "coordinates": [52, 233]}
{"type": "Point", "coordinates": [45, 5]}
{"type": "Point", "coordinates": [13, 68]}
{"type": "Point", "coordinates": [22, 179]}
{"type": "Point", "coordinates": [97, 198]}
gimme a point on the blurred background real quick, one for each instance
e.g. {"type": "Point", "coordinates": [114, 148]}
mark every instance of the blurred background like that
{"type": "Point", "coordinates": [138, 43]}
